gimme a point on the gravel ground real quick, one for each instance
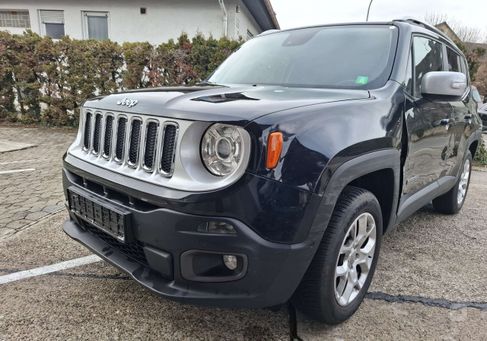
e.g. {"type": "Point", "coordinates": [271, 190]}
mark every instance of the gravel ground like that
{"type": "Point", "coordinates": [430, 283]}
{"type": "Point", "coordinates": [437, 261]}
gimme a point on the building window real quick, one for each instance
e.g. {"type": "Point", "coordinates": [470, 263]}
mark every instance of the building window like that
{"type": "Point", "coordinates": [250, 35]}
{"type": "Point", "coordinates": [95, 25]}
{"type": "Point", "coordinates": [14, 18]}
{"type": "Point", "coordinates": [52, 23]}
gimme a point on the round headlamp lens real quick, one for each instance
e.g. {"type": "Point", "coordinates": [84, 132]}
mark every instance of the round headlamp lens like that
{"type": "Point", "coordinates": [221, 149]}
{"type": "Point", "coordinates": [224, 148]}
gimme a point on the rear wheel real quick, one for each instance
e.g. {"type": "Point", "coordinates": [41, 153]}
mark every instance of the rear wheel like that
{"type": "Point", "coordinates": [340, 274]}
{"type": "Point", "coordinates": [452, 201]}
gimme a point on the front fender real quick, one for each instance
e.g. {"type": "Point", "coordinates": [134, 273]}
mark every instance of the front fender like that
{"type": "Point", "coordinates": [344, 175]}
{"type": "Point", "coordinates": [319, 138]}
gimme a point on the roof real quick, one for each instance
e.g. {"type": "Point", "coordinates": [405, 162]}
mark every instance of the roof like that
{"type": "Point", "coordinates": [408, 22]}
{"type": "Point", "coordinates": [263, 13]}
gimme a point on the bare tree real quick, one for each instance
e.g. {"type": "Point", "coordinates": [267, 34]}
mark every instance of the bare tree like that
{"type": "Point", "coordinates": [464, 32]}
{"type": "Point", "coordinates": [435, 18]}
{"type": "Point", "coordinates": [467, 34]}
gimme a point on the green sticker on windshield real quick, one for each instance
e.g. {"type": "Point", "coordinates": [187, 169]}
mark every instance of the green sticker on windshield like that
{"type": "Point", "coordinates": [361, 80]}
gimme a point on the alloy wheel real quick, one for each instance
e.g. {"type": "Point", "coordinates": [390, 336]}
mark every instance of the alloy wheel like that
{"type": "Point", "coordinates": [355, 258]}
{"type": "Point", "coordinates": [463, 183]}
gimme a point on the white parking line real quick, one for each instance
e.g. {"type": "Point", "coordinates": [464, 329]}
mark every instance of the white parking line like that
{"type": "Point", "coordinates": [17, 171]}
{"type": "Point", "coordinates": [20, 161]}
{"type": "Point", "coordinates": [17, 276]}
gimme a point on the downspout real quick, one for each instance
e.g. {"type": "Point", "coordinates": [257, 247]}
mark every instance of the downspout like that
{"type": "Point", "coordinates": [225, 18]}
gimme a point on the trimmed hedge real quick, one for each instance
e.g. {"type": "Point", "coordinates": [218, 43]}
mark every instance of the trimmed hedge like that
{"type": "Point", "coordinates": [46, 81]}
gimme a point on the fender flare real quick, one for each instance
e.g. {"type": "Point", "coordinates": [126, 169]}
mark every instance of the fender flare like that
{"type": "Point", "coordinates": [475, 137]}
{"type": "Point", "coordinates": [347, 172]}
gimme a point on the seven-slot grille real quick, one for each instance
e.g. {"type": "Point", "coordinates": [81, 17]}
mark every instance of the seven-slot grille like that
{"type": "Point", "coordinates": [149, 143]}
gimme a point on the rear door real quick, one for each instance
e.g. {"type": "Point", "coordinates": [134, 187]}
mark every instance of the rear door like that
{"type": "Point", "coordinates": [463, 110]}
{"type": "Point", "coordinates": [428, 122]}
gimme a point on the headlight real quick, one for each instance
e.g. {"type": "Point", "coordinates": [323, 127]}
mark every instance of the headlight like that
{"type": "Point", "coordinates": [222, 149]}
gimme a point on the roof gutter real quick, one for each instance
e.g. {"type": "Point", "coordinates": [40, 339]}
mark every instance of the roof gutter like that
{"type": "Point", "coordinates": [263, 13]}
{"type": "Point", "coordinates": [272, 14]}
{"type": "Point", "coordinates": [225, 18]}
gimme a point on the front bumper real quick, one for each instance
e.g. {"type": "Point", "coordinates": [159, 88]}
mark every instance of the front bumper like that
{"type": "Point", "coordinates": [162, 237]}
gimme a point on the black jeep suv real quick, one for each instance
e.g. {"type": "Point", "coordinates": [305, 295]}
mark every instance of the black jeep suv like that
{"type": "Point", "coordinates": [277, 177]}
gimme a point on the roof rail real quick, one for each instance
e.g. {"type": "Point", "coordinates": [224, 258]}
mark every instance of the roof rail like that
{"type": "Point", "coordinates": [268, 32]}
{"type": "Point", "coordinates": [426, 26]}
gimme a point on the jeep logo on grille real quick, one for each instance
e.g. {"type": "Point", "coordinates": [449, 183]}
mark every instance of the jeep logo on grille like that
{"type": "Point", "coordinates": [128, 102]}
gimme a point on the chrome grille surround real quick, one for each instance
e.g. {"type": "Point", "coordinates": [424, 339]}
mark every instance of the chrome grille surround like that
{"type": "Point", "coordinates": [124, 142]}
{"type": "Point", "coordinates": [184, 171]}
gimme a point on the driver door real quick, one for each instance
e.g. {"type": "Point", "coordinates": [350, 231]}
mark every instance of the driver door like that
{"type": "Point", "coordinates": [428, 122]}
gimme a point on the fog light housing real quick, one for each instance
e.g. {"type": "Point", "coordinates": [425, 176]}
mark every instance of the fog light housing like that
{"type": "Point", "coordinates": [217, 227]}
{"type": "Point", "coordinates": [213, 266]}
{"type": "Point", "coordinates": [230, 261]}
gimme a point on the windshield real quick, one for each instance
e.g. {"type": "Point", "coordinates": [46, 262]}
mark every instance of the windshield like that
{"type": "Point", "coordinates": [351, 57]}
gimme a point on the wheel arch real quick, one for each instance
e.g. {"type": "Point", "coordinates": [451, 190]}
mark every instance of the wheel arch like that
{"type": "Point", "coordinates": [473, 147]}
{"type": "Point", "coordinates": [377, 183]}
{"type": "Point", "coordinates": [473, 142]}
{"type": "Point", "coordinates": [377, 172]}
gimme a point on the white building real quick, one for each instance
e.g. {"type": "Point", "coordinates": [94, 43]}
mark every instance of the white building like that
{"type": "Point", "coordinates": [155, 21]}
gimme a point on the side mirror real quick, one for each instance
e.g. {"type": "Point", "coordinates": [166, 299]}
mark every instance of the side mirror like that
{"type": "Point", "coordinates": [444, 83]}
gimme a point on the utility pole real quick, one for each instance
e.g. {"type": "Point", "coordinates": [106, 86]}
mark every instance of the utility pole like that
{"type": "Point", "coordinates": [368, 10]}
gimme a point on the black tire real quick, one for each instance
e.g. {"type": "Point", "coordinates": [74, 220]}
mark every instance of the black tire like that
{"type": "Point", "coordinates": [315, 296]}
{"type": "Point", "coordinates": [448, 202]}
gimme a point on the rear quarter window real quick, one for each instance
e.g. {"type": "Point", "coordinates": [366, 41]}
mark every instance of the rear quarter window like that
{"type": "Point", "coordinates": [453, 60]}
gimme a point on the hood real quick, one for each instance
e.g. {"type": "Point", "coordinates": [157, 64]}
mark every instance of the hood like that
{"type": "Point", "coordinates": [219, 103]}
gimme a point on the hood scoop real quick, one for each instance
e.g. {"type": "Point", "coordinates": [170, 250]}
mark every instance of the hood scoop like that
{"type": "Point", "coordinates": [223, 98]}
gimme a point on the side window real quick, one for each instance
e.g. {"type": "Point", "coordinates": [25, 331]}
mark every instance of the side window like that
{"type": "Point", "coordinates": [428, 56]}
{"type": "Point", "coordinates": [453, 60]}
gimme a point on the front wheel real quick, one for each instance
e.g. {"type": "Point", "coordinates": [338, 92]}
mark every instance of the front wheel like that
{"type": "Point", "coordinates": [452, 201]}
{"type": "Point", "coordinates": [342, 269]}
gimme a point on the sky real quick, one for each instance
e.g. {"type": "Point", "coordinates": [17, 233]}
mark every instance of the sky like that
{"type": "Point", "coordinates": [296, 13]}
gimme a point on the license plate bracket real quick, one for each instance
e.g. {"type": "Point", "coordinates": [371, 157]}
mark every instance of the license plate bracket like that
{"type": "Point", "coordinates": [111, 219]}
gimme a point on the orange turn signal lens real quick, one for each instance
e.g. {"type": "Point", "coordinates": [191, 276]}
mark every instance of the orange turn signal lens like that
{"type": "Point", "coordinates": [274, 148]}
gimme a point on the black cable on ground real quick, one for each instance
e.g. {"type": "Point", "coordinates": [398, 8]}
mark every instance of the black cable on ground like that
{"type": "Point", "coordinates": [293, 323]}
